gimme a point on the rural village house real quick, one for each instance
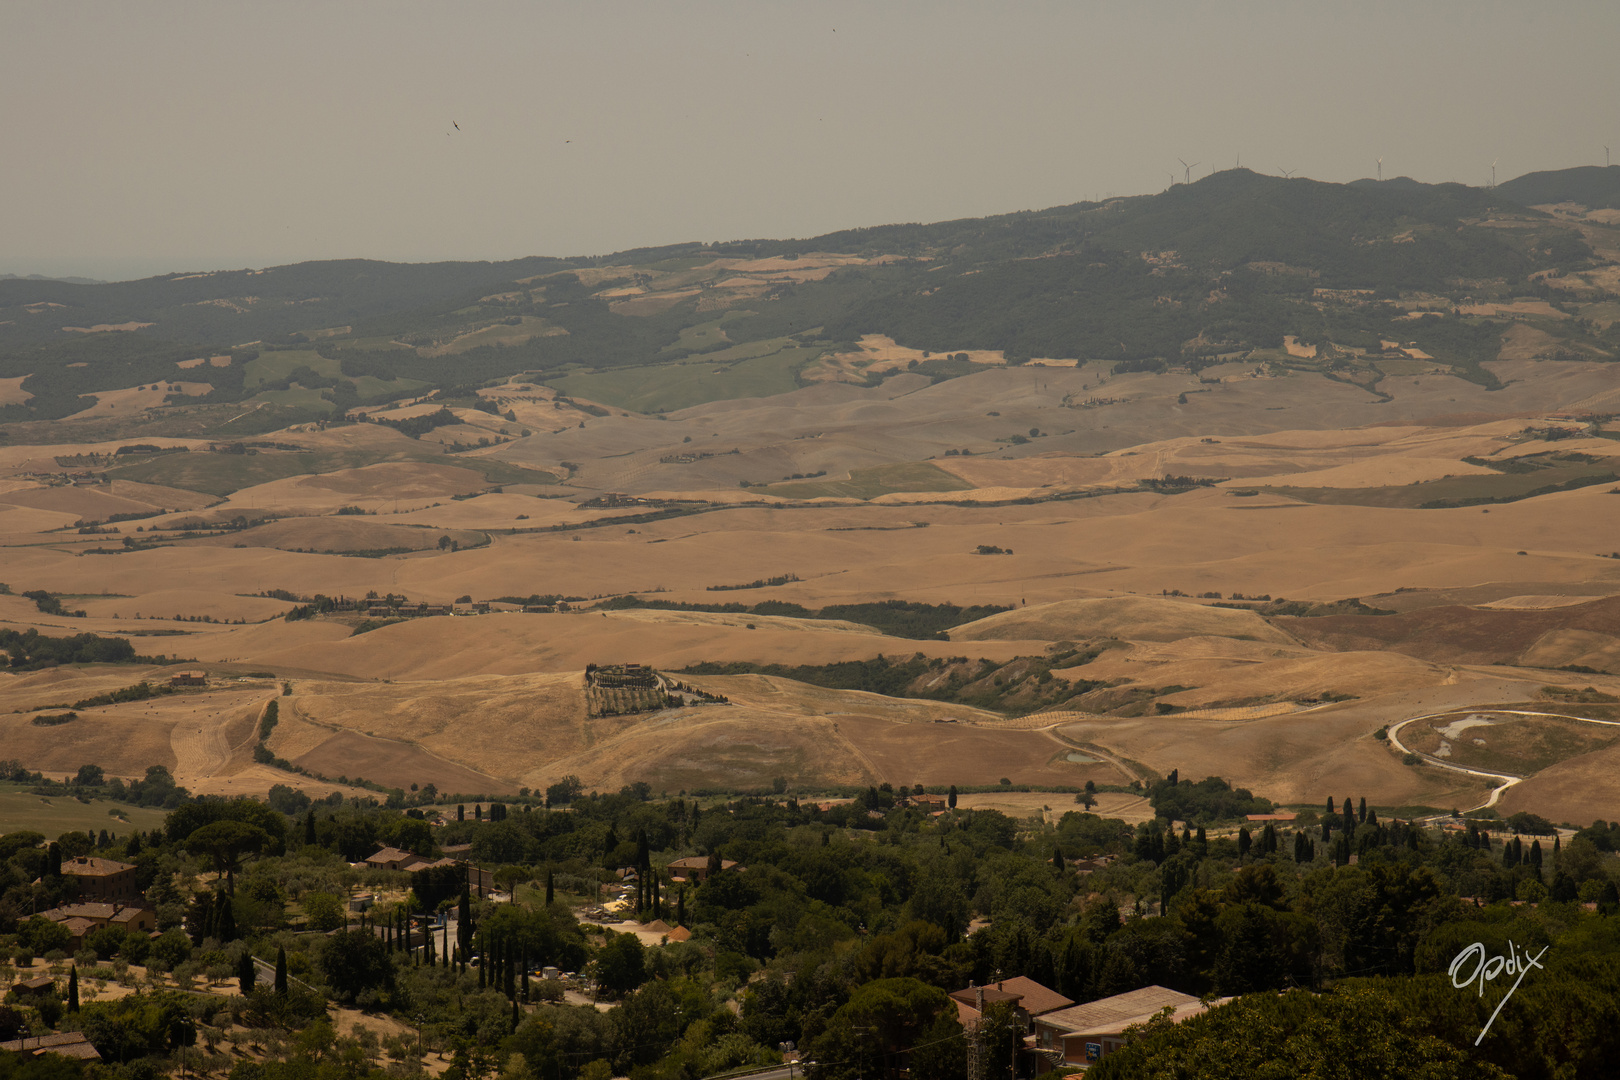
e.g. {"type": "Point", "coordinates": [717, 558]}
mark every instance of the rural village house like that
{"type": "Point", "coordinates": [84, 919]}
{"type": "Point", "coordinates": [103, 880]}
{"type": "Point", "coordinates": [696, 868]}
{"type": "Point", "coordinates": [71, 1044]}
{"type": "Point", "coordinates": [480, 882]}
{"type": "Point", "coordinates": [1029, 1000]}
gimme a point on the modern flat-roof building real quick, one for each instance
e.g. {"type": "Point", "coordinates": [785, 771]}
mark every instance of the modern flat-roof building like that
{"type": "Point", "coordinates": [1084, 1034]}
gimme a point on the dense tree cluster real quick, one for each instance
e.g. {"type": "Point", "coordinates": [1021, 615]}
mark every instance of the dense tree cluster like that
{"type": "Point", "coordinates": [842, 930]}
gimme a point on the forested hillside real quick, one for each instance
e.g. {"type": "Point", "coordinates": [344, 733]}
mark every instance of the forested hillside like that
{"type": "Point", "coordinates": [1220, 269]}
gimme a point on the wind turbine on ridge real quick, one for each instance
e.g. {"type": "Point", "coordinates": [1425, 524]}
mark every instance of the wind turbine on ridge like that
{"type": "Point", "coordinates": [1380, 170]}
{"type": "Point", "coordinates": [1288, 174]}
{"type": "Point", "coordinates": [1493, 172]}
{"type": "Point", "coordinates": [1187, 178]}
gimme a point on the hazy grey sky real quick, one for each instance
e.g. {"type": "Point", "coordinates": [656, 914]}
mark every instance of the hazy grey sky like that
{"type": "Point", "coordinates": [153, 136]}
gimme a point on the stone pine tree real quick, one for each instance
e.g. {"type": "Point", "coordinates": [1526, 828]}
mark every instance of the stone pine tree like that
{"type": "Point", "coordinates": [281, 972]}
{"type": "Point", "coordinates": [245, 975]}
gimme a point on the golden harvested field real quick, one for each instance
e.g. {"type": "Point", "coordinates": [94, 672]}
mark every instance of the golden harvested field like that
{"type": "Point", "coordinates": [11, 391]}
{"type": "Point", "coordinates": [1100, 565]}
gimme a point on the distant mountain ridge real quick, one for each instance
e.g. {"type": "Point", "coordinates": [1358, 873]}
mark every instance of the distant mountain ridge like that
{"type": "Point", "coordinates": [47, 277]}
{"type": "Point", "coordinates": [1221, 269]}
{"type": "Point", "coordinates": [1592, 186]}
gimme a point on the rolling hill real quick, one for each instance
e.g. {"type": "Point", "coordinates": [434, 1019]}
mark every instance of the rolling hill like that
{"type": "Point", "coordinates": [1235, 266]}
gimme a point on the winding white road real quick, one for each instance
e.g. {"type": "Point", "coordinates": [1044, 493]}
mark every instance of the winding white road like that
{"type": "Point", "coordinates": [1506, 780]}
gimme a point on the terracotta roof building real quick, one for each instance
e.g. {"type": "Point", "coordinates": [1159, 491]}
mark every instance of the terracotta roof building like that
{"type": "Point", "coordinates": [695, 868]}
{"type": "Point", "coordinates": [1028, 998]}
{"type": "Point", "coordinates": [71, 1044]}
{"type": "Point", "coordinates": [38, 985]}
{"type": "Point", "coordinates": [390, 858]}
{"type": "Point", "coordinates": [105, 880]}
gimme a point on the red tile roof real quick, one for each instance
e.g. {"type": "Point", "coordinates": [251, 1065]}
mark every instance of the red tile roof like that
{"type": "Point", "coordinates": [90, 866]}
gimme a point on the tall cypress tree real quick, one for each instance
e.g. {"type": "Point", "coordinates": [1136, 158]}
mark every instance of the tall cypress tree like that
{"type": "Point", "coordinates": [1362, 812]}
{"type": "Point", "coordinates": [225, 924]}
{"type": "Point", "coordinates": [281, 972]}
{"type": "Point", "coordinates": [551, 892]}
{"type": "Point", "coordinates": [245, 975]}
{"type": "Point", "coordinates": [73, 989]}
{"type": "Point", "coordinates": [464, 927]}
{"type": "Point", "coordinates": [309, 828]}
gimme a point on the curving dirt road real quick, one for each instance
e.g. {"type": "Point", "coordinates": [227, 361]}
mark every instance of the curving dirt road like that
{"type": "Point", "coordinates": [1507, 779]}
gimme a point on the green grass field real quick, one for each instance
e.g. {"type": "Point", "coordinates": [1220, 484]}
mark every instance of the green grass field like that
{"type": "Point", "coordinates": [709, 335]}
{"type": "Point", "coordinates": [1602, 313]}
{"type": "Point", "coordinates": [496, 334]}
{"type": "Point", "coordinates": [271, 366]}
{"type": "Point", "coordinates": [500, 472]}
{"type": "Point", "coordinates": [297, 397]}
{"type": "Point", "coordinates": [1505, 487]}
{"type": "Point", "coordinates": [1405, 367]}
{"type": "Point", "coordinates": [221, 474]}
{"type": "Point", "coordinates": [370, 387]}
{"type": "Point", "coordinates": [54, 815]}
{"type": "Point", "coordinates": [755, 369]}
{"type": "Point", "coordinates": [874, 481]}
